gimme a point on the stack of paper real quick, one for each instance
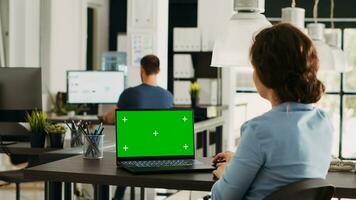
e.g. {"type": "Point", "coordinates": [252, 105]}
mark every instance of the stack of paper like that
{"type": "Point", "coordinates": [186, 39]}
{"type": "Point", "coordinates": [209, 91]}
{"type": "Point", "coordinates": [183, 66]}
{"type": "Point", "coordinates": [181, 92]}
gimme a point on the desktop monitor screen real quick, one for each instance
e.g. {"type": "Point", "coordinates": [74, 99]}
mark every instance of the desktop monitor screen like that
{"type": "Point", "coordinates": [154, 133]}
{"type": "Point", "coordinates": [20, 92]}
{"type": "Point", "coordinates": [94, 86]}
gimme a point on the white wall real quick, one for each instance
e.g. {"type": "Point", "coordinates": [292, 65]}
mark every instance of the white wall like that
{"type": "Point", "coordinates": [65, 42]}
{"type": "Point", "coordinates": [24, 37]}
{"type": "Point", "coordinates": [161, 37]}
{"type": "Point", "coordinates": [212, 17]}
{"type": "Point", "coordinates": [152, 27]}
{"type": "Point", "coordinates": [101, 43]}
{"type": "Point", "coordinates": [229, 99]}
{"type": "Point", "coordinates": [64, 38]}
{"type": "Point", "coordinates": [52, 34]}
{"type": "Point", "coordinates": [4, 39]}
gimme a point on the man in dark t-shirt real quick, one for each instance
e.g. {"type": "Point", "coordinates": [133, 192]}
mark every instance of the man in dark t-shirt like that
{"type": "Point", "coordinates": [145, 96]}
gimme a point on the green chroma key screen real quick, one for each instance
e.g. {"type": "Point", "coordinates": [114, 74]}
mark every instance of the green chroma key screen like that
{"type": "Point", "coordinates": [144, 133]}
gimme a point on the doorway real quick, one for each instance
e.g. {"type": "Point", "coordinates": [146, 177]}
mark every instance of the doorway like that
{"type": "Point", "coordinates": [90, 38]}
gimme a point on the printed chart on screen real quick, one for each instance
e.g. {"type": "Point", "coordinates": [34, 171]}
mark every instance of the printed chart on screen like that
{"type": "Point", "coordinates": [94, 87]}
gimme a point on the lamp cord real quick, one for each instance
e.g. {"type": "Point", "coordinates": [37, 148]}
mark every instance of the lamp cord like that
{"type": "Point", "coordinates": [332, 7]}
{"type": "Point", "coordinates": [315, 10]}
{"type": "Point", "coordinates": [293, 4]}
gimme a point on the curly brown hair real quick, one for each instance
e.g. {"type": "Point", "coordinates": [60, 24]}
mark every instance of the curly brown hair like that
{"type": "Point", "coordinates": [286, 60]}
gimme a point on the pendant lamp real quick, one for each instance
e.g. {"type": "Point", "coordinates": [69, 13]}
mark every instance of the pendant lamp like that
{"type": "Point", "coordinates": [316, 33]}
{"type": "Point", "coordinates": [294, 16]}
{"type": "Point", "coordinates": [339, 56]}
{"type": "Point", "coordinates": [231, 48]}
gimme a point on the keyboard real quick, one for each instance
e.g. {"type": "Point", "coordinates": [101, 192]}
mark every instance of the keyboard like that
{"type": "Point", "coordinates": [158, 163]}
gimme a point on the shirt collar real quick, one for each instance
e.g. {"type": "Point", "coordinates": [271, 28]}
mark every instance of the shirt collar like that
{"type": "Point", "coordinates": [293, 106]}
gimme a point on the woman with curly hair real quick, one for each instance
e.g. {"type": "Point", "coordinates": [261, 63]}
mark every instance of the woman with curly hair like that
{"type": "Point", "coordinates": [292, 141]}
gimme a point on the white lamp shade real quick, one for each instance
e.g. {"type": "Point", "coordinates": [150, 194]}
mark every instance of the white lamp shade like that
{"type": "Point", "coordinates": [231, 48]}
{"type": "Point", "coordinates": [339, 56]}
{"type": "Point", "coordinates": [340, 60]}
{"type": "Point", "coordinates": [294, 16]}
{"type": "Point", "coordinates": [325, 55]}
{"type": "Point", "coordinates": [316, 33]}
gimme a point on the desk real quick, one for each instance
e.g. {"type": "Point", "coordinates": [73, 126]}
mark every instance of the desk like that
{"type": "Point", "coordinates": [24, 148]}
{"type": "Point", "coordinates": [33, 154]}
{"type": "Point", "coordinates": [104, 172]}
{"type": "Point", "coordinates": [37, 156]}
{"type": "Point", "coordinates": [344, 182]}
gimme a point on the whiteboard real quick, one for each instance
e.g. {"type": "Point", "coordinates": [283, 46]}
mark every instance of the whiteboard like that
{"type": "Point", "coordinates": [141, 45]}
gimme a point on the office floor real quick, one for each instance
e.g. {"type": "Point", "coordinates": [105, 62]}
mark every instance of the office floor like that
{"type": "Point", "coordinates": [29, 191]}
{"type": "Point", "coordinates": [34, 191]}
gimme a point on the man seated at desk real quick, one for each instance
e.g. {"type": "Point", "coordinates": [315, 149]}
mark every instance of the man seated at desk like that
{"type": "Point", "coordinates": [144, 96]}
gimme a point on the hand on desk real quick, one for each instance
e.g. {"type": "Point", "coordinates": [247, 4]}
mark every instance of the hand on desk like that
{"type": "Point", "coordinates": [109, 117]}
{"type": "Point", "coordinates": [220, 167]}
{"type": "Point", "coordinates": [223, 157]}
{"type": "Point", "coordinates": [220, 161]}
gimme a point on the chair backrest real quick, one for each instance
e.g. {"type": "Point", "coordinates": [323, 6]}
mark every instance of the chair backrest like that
{"type": "Point", "coordinates": [308, 189]}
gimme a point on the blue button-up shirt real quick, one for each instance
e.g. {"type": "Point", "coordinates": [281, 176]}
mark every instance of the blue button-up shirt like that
{"type": "Point", "coordinates": [289, 143]}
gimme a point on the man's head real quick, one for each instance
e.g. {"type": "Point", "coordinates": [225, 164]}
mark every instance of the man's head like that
{"type": "Point", "coordinates": [149, 66]}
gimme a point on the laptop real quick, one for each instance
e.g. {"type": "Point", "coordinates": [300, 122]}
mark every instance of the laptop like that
{"type": "Point", "coordinates": [156, 141]}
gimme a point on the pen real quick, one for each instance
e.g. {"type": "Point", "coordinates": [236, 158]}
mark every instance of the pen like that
{"type": "Point", "coordinates": [101, 130]}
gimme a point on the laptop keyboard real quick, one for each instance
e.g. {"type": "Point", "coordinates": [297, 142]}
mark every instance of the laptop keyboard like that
{"type": "Point", "coordinates": [158, 163]}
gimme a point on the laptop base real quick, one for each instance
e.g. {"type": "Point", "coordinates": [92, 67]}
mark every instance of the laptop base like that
{"type": "Point", "coordinates": [197, 166]}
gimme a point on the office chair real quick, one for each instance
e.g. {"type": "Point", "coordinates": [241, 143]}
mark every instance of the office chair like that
{"type": "Point", "coordinates": [12, 176]}
{"type": "Point", "coordinates": [308, 189]}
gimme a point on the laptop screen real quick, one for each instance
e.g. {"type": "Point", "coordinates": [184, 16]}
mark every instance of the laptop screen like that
{"type": "Point", "coordinates": [154, 133]}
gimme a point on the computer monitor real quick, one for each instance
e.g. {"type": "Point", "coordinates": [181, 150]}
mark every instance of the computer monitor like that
{"type": "Point", "coordinates": [93, 87]}
{"type": "Point", "coordinates": [20, 92]}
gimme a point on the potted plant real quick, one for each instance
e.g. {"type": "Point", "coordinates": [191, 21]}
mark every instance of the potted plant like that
{"type": "Point", "coordinates": [37, 121]}
{"type": "Point", "coordinates": [194, 93]}
{"type": "Point", "coordinates": [60, 107]}
{"type": "Point", "coordinates": [56, 133]}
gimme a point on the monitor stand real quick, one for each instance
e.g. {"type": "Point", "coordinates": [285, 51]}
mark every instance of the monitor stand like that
{"type": "Point", "coordinates": [90, 109]}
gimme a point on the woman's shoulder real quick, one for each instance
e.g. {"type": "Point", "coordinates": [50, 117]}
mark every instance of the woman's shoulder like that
{"type": "Point", "coordinates": [273, 123]}
{"type": "Point", "coordinates": [255, 125]}
{"type": "Point", "coordinates": [258, 121]}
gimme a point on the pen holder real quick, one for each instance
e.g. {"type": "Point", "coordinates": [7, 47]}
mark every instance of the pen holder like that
{"type": "Point", "coordinates": [93, 146]}
{"type": "Point", "coordinates": [76, 138]}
